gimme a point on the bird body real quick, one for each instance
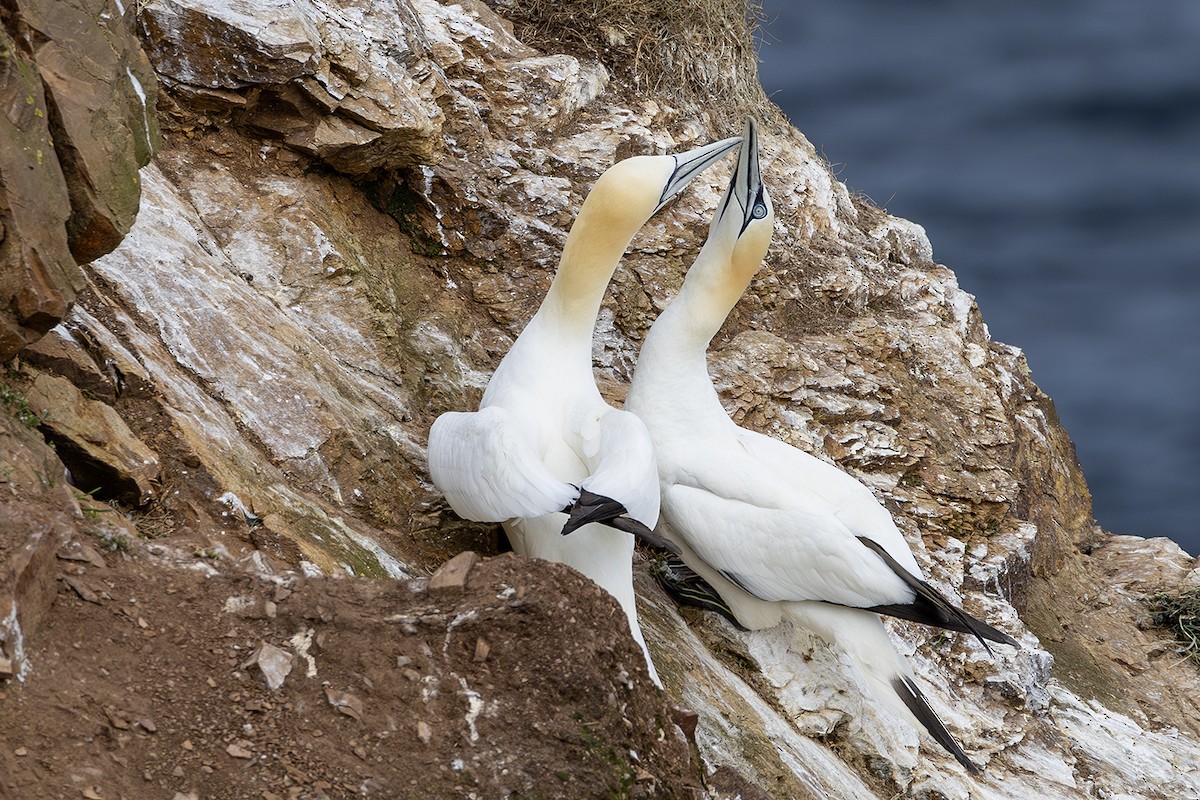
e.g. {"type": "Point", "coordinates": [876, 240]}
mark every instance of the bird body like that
{"type": "Point", "coordinates": [778, 533]}
{"type": "Point", "coordinates": [543, 434]}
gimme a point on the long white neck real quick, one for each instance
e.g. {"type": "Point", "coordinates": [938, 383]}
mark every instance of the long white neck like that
{"type": "Point", "coordinates": [590, 256]}
{"type": "Point", "coordinates": [554, 352]}
{"type": "Point", "coordinates": [672, 370]}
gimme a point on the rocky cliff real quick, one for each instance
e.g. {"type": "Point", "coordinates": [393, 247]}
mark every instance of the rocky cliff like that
{"type": "Point", "coordinates": [353, 209]}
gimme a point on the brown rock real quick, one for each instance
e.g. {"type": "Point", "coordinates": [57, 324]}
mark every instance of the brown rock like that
{"type": "Point", "coordinates": [238, 751]}
{"type": "Point", "coordinates": [687, 720]}
{"type": "Point", "coordinates": [78, 122]}
{"type": "Point", "coordinates": [94, 441]}
{"type": "Point", "coordinates": [345, 703]}
{"type": "Point", "coordinates": [38, 275]}
{"type": "Point", "coordinates": [329, 136]}
{"type": "Point", "coordinates": [544, 92]}
{"type": "Point", "coordinates": [29, 538]}
{"type": "Point", "coordinates": [453, 574]}
{"type": "Point", "coordinates": [273, 662]}
{"type": "Point", "coordinates": [227, 46]}
{"type": "Point", "coordinates": [102, 97]}
{"type": "Point", "coordinates": [82, 589]}
{"type": "Point", "coordinates": [326, 90]}
{"type": "Point", "coordinates": [59, 352]}
{"type": "Point", "coordinates": [116, 719]}
{"type": "Point", "coordinates": [81, 551]}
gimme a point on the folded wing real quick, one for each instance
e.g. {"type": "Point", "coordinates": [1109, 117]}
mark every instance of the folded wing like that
{"type": "Point", "coordinates": [488, 472]}
{"type": "Point", "coordinates": [782, 554]}
{"type": "Point", "coordinates": [842, 495]}
{"type": "Point", "coordinates": [620, 459]}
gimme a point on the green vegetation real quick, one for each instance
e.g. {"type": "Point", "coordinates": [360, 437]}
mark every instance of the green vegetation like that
{"type": "Point", "coordinates": [1181, 615]}
{"type": "Point", "coordinates": [18, 405]}
{"type": "Point", "coordinates": [112, 541]}
{"type": "Point", "coordinates": [398, 201]}
{"type": "Point", "coordinates": [603, 752]}
{"type": "Point", "coordinates": [90, 511]}
{"type": "Point", "coordinates": [46, 474]}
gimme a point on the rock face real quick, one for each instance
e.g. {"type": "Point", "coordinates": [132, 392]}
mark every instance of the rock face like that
{"type": "Point", "coordinates": [346, 83]}
{"type": "Point", "coordinates": [94, 441]}
{"type": "Point", "coordinates": [356, 209]}
{"type": "Point", "coordinates": [79, 120]}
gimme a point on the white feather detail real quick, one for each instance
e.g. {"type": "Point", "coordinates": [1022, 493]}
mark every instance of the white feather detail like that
{"type": "Point", "coordinates": [846, 498]}
{"type": "Point", "coordinates": [782, 554]}
{"type": "Point", "coordinates": [487, 470]}
{"type": "Point", "coordinates": [623, 466]}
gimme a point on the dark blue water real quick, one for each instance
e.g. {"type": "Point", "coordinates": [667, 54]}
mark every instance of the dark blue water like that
{"type": "Point", "coordinates": [1052, 152]}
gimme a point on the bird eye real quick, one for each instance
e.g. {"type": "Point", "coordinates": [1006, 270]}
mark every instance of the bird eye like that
{"type": "Point", "coordinates": [759, 211]}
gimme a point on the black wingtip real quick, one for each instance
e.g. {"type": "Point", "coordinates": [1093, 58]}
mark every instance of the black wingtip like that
{"type": "Point", "coordinates": [916, 702]}
{"type": "Point", "coordinates": [592, 507]}
{"type": "Point", "coordinates": [932, 608]}
{"type": "Point", "coordinates": [643, 534]}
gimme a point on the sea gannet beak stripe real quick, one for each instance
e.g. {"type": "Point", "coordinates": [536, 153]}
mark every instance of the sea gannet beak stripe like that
{"type": "Point", "coordinates": [690, 164]}
{"type": "Point", "coordinates": [746, 186]}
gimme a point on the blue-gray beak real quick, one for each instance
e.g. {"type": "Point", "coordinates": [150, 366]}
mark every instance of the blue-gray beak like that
{"type": "Point", "coordinates": [690, 164]}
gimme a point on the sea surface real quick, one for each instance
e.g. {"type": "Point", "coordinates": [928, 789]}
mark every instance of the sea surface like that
{"type": "Point", "coordinates": [1052, 153]}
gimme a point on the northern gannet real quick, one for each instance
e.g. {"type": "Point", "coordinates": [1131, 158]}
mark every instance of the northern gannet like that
{"type": "Point", "coordinates": [544, 441]}
{"type": "Point", "coordinates": [772, 528]}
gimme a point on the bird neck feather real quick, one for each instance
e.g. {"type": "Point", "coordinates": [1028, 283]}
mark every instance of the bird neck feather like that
{"type": "Point", "coordinates": [710, 291]}
{"type": "Point", "coordinates": [603, 229]}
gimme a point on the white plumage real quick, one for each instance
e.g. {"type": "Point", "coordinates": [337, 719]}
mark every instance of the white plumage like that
{"type": "Point", "coordinates": [778, 533]}
{"type": "Point", "coordinates": [542, 431]}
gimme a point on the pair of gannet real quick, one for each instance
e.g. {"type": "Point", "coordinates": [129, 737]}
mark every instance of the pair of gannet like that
{"type": "Point", "coordinates": [543, 441]}
{"type": "Point", "coordinates": [778, 533]}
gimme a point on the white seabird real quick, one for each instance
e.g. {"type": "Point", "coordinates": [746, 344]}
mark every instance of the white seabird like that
{"type": "Point", "coordinates": [544, 441]}
{"type": "Point", "coordinates": [778, 533]}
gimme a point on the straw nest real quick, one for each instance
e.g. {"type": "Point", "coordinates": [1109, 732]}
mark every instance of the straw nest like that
{"type": "Point", "coordinates": [679, 50]}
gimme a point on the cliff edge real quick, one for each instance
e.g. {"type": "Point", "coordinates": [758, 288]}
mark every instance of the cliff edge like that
{"type": "Point", "coordinates": [345, 213]}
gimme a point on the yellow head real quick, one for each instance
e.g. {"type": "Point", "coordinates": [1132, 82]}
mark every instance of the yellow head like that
{"type": "Point", "coordinates": [739, 234]}
{"type": "Point", "coordinates": [621, 201]}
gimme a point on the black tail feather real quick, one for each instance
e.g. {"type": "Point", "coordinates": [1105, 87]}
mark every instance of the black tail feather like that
{"type": "Point", "coordinates": [592, 507]}
{"type": "Point", "coordinates": [932, 608]}
{"type": "Point", "coordinates": [914, 699]}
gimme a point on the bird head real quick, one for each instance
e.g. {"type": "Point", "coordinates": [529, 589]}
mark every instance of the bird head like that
{"type": "Point", "coordinates": [635, 189]}
{"type": "Point", "coordinates": [745, 217]}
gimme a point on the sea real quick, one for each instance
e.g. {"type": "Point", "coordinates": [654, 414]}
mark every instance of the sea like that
{"type": "Point", "coordinates": [1051, 150]}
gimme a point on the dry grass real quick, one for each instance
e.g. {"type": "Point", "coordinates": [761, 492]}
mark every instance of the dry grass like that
{"type": "Point", "coordinates": [679, 49]}
{"type": "Point", "coordinates": [1181, 615]}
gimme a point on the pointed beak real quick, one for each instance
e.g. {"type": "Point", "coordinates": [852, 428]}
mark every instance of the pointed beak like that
{"type": "Point", "coordinates": [690, 164]}
{"type": "Point", "coordinates": [744, 198]}
{"type": "Point", "coordinates": [747, 182]}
